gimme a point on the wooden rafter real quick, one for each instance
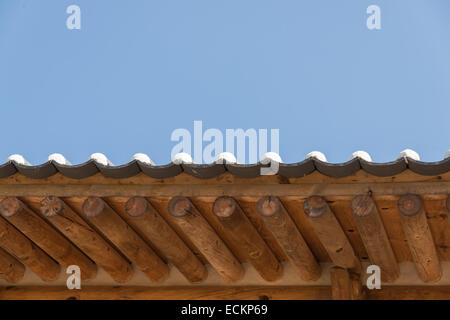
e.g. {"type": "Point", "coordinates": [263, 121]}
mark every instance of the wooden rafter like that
{"type": "Point", "coordinates": [248, 239]}
{"type": "Point", "coordinates": [10, 268]}
{"type": "Point", "coordinates": [283, 228]}
{"type": "Point", "coordinates": [374, 236]}
{"type": "Point", "coordinates": [205, 238]}
{"type": "Point", "coordinates": [27, 252]}
{"type": "Point", "coordinates": [63, 218]}
{"type": "Point", "coordinates": [144, 217]}
{"type": "Point", "coordinates": [125, 238]}
{"type": "Point", "coordinates": [46, 237]}
{"type": "Point", "coordinates": [420, 239]}
{"type": "Point", "coordinates": [331, 234]}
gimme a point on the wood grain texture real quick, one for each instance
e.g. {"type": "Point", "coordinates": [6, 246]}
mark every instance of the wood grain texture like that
{"type": "Point", "coordinates": [125, 239]}
{"type": "Point", "coordinates": [331, 234]}
{"type": "Point", "coordinates": [142, 216]}
{"type": "Point", "coordinates": [46, 237]}
{"type": "Point", "coordinates": [343, 213]}
{"type": "Point", "coordinates": [15, 243]}
{"type": "Point", "coordinates": [249, 207]}
{"type": "Point", "coordinates": [245, 235]}
{"type": "Point", "coordinates": [215, 293]}
{"type": "Point", "coordinates": [345, 285]}
{"type": "Point", "coordinates": [420, 240]}
{"type": "Point", "coordinates": [63, 218]}
{"type": "Point", "coordinates": [438, 220]}
{"type": "Point", "coordinates": [205, 238]}
{"type": "Point", "coordinates": [285, 231]}
{"type": "Point", "coordinates": [295, 207]}
{"type": "Point", "coordinates": [167, 293]}
{"type": "Point", "coordinates": [10, 268]}
{"type": "Point", "coordinates": [343, 191]}
{"type": "Point", "coordinates": [374, 236]}
{"type": "Point", "coordinates": [388, 211]}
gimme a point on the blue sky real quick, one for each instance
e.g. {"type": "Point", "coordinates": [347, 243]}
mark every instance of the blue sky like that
{"type": "Point", "coordinates": [138, 70]}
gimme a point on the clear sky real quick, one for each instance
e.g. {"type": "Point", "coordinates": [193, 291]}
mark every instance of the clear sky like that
{"type": "Point", "coordinates": [137, 70]}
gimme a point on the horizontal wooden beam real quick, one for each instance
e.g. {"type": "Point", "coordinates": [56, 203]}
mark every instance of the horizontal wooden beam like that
{"type": "Point", "coordinates": [388, 190]}
{"type": "Point", "coordinates": [330, 233]}
{"type": "Point", "coordinates": [289, 237]}
{"type": "Point", "coordinates": [27, 252]}
{"type": "Point", "coordinates": [125, 238]}
{"type": "Point", "coordinates": [10, 268]}
{"type": "Point", "coordinates": [168, 293]}
{"type": "Point", "coordinates": [215, 293]}
{"type": "Point", "coordinates": [63, 218]}
{"type": "Point", "coordinates": [234, 220]}
{"type": "Point", "coordinates": [142, 216]}
{"type": "Point", "coordinates": [46, 237]}
{"type": "Point", "coordinates": [374, 237]}
{"type": "Point", "coordinates": [187, 217]}
{"type": "Point", "coordinates": [420, 239]}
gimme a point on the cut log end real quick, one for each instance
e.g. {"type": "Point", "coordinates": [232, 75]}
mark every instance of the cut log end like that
{"type": "Point", "coordinates": [93, 206]}
{"type": "Point", "coordinates": [315, 206]}
{"type": "Point", "coordinates": [410, 204]}
{"type": "Point", "coordinates": [268, 206]}
{"type": "Point", "coordinates": [51, 206]}
{"type": "Point", "coordinates": [224, 207]}
{"type": "Point", "coordinates": [136, 206]}
{"type": "Point", "coordinates": [179, 206]}
{"type": "Point", "coordinates": [362, 205]}
{"type": "Point", "coordinates": [10, 206]}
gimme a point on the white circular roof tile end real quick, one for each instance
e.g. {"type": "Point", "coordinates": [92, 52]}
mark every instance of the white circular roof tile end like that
{"type": "Point", "coordinates": [142, 157]}
{"type": "Point", "coordinates": [271, 156]}
{"type": "Point", "coordinates": [182, 158]}
{"type": "Point", "coordinates": [318, 155]}
{"type": "Point", "coordinates": [361, 155]}
{"type": "Point", "coordinates": [101, 158]}
{"type": "Point", "coordinates": [58, 158]}
{"type": "Point", "coordinates": [18, 158]}
{"type": "Point", "coordinates": [408, 153]}
{"type": "Point", "coordinates": [447, 154]}
{"type": "Point", "coordinates": [225, 158]}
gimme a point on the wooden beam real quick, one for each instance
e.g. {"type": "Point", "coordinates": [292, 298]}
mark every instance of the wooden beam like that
{"type": "Point", "coordinates": [215, 293]}
{"type": "Point", "coordinates": [10, 268]}
{"type": "Point", "coordinates": [187, 217]}
{"type": "Point", "coordinates": [345, 285]}
{"type": "Point", "coordinates": [447, 203]}
{"type": "Point", "coordinates": [167, 293]}
{"type": "Point", "coordinates": [374, 236]}
{"type": "Point", "coordinates": [247, 238]}
{"type": "Point", "coordinates": [145, 218]}
{"type": "Point", "coordinates": [47, 238]}
{"type": "Point", "coordinates": [63, 218]}
{"type": "Point", "coordinates": [15, 243]}
{"type": "Point", "coordinates": [288, 236]}
{"type": "Point", "coordinates": [420, 240]}
{"type": "Point", "coordinates": [125, 238]}
{"type": "Point", "coordinates": [410, 293]}
{"type": "Point", "coordinates": [331, 234]}
{"type": "Point", "coordinates": [386, 190]}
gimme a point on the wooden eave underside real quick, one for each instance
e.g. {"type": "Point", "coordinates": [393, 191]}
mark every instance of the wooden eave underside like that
{"type": "Point", "coordinates": [292, 193]}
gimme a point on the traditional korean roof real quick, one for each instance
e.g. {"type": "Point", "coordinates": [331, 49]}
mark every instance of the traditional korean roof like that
{"type": "Point", "coordinates": [223, 230]}
{"type": "Point", "coordinates": [226, 162]}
